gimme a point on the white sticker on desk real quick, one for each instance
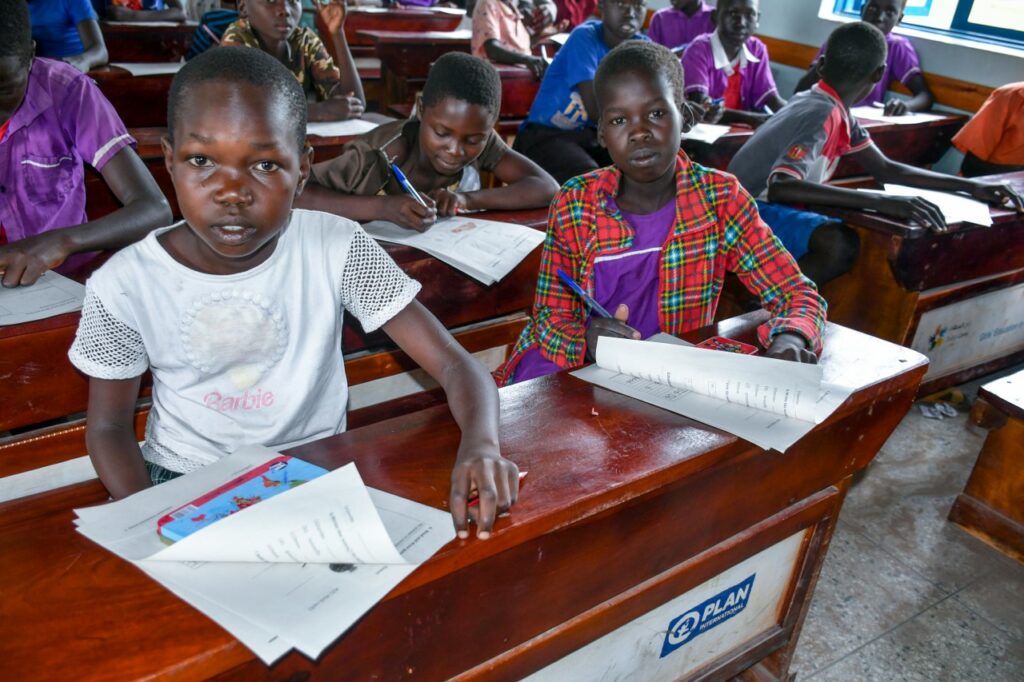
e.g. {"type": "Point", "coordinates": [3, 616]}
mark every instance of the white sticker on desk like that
{"type": "Point", "coordinates": [693, 629]}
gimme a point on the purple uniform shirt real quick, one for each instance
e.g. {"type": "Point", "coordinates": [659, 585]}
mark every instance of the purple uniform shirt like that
{"type": "Point", "coordinates": [63, 123]}
{"type": "Point", "coordinates": [900, 65]}
{"type": "Point", "coordinates": [706, 69]}
{"type": "Point", "coordinates": [630, 277]}
{"type": "Point", "coordinates": [673, 28]}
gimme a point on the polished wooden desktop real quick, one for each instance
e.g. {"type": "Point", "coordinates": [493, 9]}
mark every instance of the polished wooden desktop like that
{"type": "Point", "coordinates": [406, 58]}
{"type": "Point", "coordinates": [941, 294]}
{"type": "Point", "coordinates": [920, 144]}
{"type": "Point", "coordinates": [147, 42]}
{"type": "Point", "coordinates": [396, 19]}
{"type": "Point", "coordinates": [991, 507]}
{"type": "Point", "coordinates": [627, 507]}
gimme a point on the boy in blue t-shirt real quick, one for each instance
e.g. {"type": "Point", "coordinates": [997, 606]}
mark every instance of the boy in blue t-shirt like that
{"type": "Point", "coordinates": [68, 30]}
{"type": "Point", "coordinates": [560, 134]}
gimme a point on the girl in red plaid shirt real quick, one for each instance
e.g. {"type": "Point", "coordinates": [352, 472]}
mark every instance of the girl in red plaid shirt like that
{"type": "Point", "coordinates": [652, 236]}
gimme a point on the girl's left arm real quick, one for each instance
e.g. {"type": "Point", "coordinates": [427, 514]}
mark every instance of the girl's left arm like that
{"type": "Point", "coordinates": [526, 185]}
{"type": "Point", "coordinates": [95, 53]}
{"type": "Point", "coordinates": [473, 401]}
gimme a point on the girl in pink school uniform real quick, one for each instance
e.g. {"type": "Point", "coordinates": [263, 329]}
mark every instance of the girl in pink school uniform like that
{"type": "Point", "coordinates": [653, 236]}
{"type": "Point", "coordinates": [728, 72]}
{"type": "Point", "coordinates": [901, 64]}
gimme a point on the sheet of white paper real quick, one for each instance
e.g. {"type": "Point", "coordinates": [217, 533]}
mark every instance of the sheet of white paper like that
{"type": "Point", "coordinates": [705, 132]}
{"type": "Point", "coordinates": [720, 389]}
{"type": "Point", "coordinates": [330, 519]}
{"type": "Point", "coordinates": [150, 69]}
{"type": "Point", "coordinates": [355, 126]}
{"type": "Point", "coordinates": [911, 118]}
{"type": "Point", "coordinates": [955, 207]}
{"type": "Point", "coordinates": [51, 295]}
{"type": "Point", "coordinates": [662, 337]}
{"type": "Point", "coordinates": [484, 249]}
{"type": "Point", "coordinates": [305, 606]}
{"type": "Point", "coordinates": [147, 23]}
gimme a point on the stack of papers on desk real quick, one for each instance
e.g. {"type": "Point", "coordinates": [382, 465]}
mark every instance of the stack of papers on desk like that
{"type": "Point", "coordinates": [705, 132]}
{"type": "Point", "coordinates": [483, 249]}
{"type": "Point", "coordinates": [907, 119]}
{"type": "Point", "coordinates": [51, 295]}
{"type": "Point", "coordinates": [956, 208]}
{"type": "Point", "coordinates": [354, 126]}
{"type": "Point", "coordinates": [344, 547]}
{"type": "Point", "coordinates": [771, 403]}
{"type": "Point", "coordinates": [150, 68]}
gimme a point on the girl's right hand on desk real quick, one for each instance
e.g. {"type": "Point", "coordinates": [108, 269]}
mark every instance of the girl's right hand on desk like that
{"type": "Point", "coordinates": [603, 326]}
{"type": "Point", "coordinates": [24, 261]}
{"type": "Point", "coordinates": [916, 209]}
{"type": "Point", "coordinates": [405, 211]}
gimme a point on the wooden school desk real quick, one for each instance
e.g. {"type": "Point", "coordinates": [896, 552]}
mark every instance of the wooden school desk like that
{"type": "Point", "coordinates": [945, 295]}
{"type": "Point", "coordinates": [629, 511]}
{"type": "Point", "coordinates": [991, 506]}
{"type": "Point", "coordinates": [151, 41]}
{"type": "Point", "coordinates": [920, 144]}
{"type": "Point", "coordinates": [40, 384]}
{"type": "Point", "coordinates": [406, 58]}
{"type": "Point", "coordinates": [397, 19]}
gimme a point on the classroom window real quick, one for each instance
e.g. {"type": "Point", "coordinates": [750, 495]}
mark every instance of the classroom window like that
{"type": "Point", "coordinates": [993, 22]}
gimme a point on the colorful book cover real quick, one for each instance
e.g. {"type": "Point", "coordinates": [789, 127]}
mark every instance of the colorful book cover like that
{"type": "Point", "coordinates": [272, 478]}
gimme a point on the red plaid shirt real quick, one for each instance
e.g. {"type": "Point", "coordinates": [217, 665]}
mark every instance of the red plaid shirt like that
{"type": "Point", "coordinates": [717, 230]}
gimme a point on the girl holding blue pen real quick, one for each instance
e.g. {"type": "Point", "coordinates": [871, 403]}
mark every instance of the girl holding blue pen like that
{"type": "Point", "coordinates": [413, 172]}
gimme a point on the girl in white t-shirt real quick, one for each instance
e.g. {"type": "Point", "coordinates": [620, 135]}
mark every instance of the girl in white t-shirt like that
{"type": "Point", "coordinates": [237, 310]}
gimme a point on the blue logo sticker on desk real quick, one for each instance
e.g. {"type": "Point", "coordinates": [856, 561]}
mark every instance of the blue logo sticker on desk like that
{"type": "Point", "coordinates": [706, 615]}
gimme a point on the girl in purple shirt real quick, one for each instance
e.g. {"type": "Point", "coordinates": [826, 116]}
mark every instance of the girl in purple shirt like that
{"type": "Point", "coordinates": [57, 121]}
{"type": "Point", "coordinates": [675, 27]}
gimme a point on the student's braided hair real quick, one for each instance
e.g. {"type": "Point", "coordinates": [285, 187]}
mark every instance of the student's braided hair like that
{"type": "Point", "coordinates": [466, 78]}
{"type": "Point", "coordinates": [240, 65]}
{"type": "Point", "coordinates": [15, 29]}
{"type": "Point", "coordinates": [640, 56]}
{"type": "Point", "coordinates": [853, 53]}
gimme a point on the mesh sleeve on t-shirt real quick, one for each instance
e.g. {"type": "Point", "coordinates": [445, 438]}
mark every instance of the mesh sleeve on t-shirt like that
{"type": "Point", "coordinates": [105, 347]}
{"type": "Point", "coordinates": [373, 287]}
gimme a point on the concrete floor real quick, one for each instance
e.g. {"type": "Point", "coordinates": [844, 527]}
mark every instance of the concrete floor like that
{"type": "Point", "coordinates": [904, 594]}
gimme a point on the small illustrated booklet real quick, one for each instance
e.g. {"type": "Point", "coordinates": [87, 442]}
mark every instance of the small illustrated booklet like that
{"type": "Point", "coordinates": [273, 477]}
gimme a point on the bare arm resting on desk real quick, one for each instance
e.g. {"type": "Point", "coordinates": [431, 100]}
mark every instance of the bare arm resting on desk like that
{"type": "Point", "coordinates": [144, 208]}
{"type": "Point", "coordinates": [95, 53]}
{"type": "Point", "coordinates": [110, 436]}
{"type": "Point", "coordinates": [473, 401]}
{"type": "Point", "coordinates": [527, 185]}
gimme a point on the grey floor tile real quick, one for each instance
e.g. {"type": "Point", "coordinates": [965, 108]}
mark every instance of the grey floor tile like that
{"type": "Point", "coordinates": [862, 593]}
{"type": "Point", "coordinates": [999, 598]}
{"type": "Point", "coordinates": [947, 642]}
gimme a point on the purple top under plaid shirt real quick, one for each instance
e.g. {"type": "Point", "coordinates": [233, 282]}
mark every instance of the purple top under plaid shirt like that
{"type": "Point", "coordinates": [716, 230]}
{"type": "Point", "coordinates": [63, 123]}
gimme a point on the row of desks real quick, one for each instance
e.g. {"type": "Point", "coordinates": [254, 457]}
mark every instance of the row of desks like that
{"type": "Point", "coordinates": [627, 523]}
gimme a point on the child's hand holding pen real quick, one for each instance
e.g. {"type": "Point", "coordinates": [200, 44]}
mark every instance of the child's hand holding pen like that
{"type": "Point", "coordinates": [713, 110]}
{"type": "Point", "coordinates": [415, 211]}
{"type": "Point", "coordinates": [609, 326]}
{"type": "Point", "coordinates": [449, 203]}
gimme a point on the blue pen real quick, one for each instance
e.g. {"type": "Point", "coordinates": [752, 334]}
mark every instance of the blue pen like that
{"type": "Point", "coordinates": [768, 110]}
{"type": "Point", "coordinates": [588, 299]}
{"type": "Point", "coordinates": [406, 185]}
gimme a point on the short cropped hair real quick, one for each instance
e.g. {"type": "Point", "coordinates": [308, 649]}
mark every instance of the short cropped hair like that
{"type": "Point", "coordinates": [641, 57]}
{"type": "Point", "coordinates": [239, 65]}
{"type": "Point", "coordinates": [466, 78]}
{"type": "Point", "coordinates": [853, 53]}
{"type": "Point", "coordinates": [15, 29]}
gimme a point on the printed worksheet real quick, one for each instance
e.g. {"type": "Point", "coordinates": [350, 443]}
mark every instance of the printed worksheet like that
{"type": "Point", "coordinates": [907, 119]}
{"type": "Point", "coordinates": [272, 607]}
{"type": "Point", "coordinates": [772, 403]}
{"type": "Point", "coordinates": [956, 208]}
{"type": "Point", "coordinates": [150, 69]}
{"type": "Point", "coordinates": [52, 294]}
{"type": "Point", "coordinates": [485, 250]}
{"type": "Point", "coordinates": [354, 126]}
{"type": "Point", "coordinates": [705, 132]}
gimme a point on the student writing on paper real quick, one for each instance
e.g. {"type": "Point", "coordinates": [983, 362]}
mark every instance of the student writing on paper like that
{"type": "Point", "coordinates": [333, 90]}
{"type": "Point", "coordinates": [67, 30]}
{"type": "Point", "coordinates": [145, 10]}
{"type": "Point", "coordinates": [442, 153]}
{"type": "Point", "coordinates": [902, 63]}
{"type": "Point", "coordinates": [727, 71]}
{"type": "Point", "coordinates": [652, 236]}
{"type": "Point", "coordinates": [790, 159]}
{"type": "Point", "coordinates": [237, 310]}
{"type": "Point", "coordinates": [54, 121]}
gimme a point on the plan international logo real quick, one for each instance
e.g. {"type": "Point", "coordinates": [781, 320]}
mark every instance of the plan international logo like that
{"type": "Point", "coordinates": [707, 615]}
